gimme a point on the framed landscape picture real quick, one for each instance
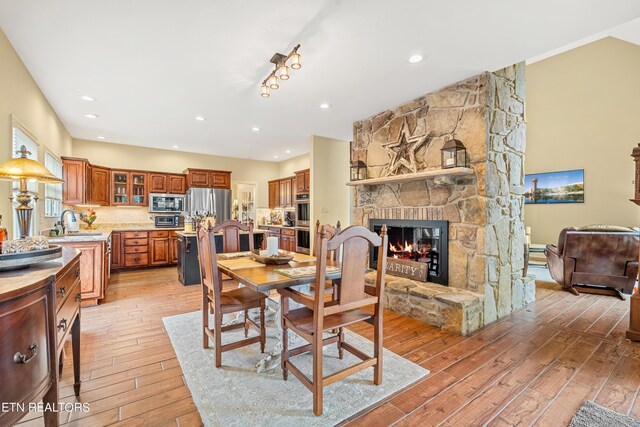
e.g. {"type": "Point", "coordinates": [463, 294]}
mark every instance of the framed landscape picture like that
{"type": "Point", "coordinates": [554, 187]}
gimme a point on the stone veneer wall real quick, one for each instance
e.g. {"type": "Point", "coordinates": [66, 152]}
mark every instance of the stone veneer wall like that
{"type": "Point", "coordinates": [485, 209]}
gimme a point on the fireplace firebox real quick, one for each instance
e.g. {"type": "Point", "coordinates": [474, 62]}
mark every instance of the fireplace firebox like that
{"type": "Point", "coordinates": [419, 242]}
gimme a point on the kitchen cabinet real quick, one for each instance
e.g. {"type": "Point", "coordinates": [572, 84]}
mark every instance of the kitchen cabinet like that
{"type": "Point", "coordinates": [173, 248]}
{"type": "Point", "coordinates": [274, 194]}
{"type": "Point", "coordinates": [93, 272]}
{"type": "Point", "coordinates": [117, 251]}
{"type": "Point", "coordinates": [159, 248]}
{"type": "Point", "coordinates": [75, 173]}
{"type": "Point", "coordinates": [158, 183]}
{"type": "Point", "coordinates": [282, 193]}
{"type": "Point", "coordinates": [99, 186]}
{"type": "Point", "coordinates": [129, 188]}
{"type": "Point", "coordinates": [287, 240]}
{"type": "Point", "coordinates": [177, 184]}
{"type": "Point", "coordinates": [303, 181]}
{"type": "Point", "coordinates": [205, 178]}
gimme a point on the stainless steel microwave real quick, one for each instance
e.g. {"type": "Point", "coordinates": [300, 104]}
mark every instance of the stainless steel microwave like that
{"type": "Point", "coordinates": [166, 203]}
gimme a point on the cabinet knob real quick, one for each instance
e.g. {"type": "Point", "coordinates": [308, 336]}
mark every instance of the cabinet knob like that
{"type": "Point", "coordinates": [137, 259]}
{"type": "Point", "coordinates": [62, 325]}
{"type": "Point", "coordinates": [78, 297]}
{"type": "Point", "coordinates": [78, 272]}
{"type": "Point", "coordinates": [22, 358]}
{"type": "Point", "coordinates": [62, 291]}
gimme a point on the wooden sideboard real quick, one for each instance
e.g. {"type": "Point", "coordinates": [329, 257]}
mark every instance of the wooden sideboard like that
{"type": "Point", "coordinates": [39, 308]}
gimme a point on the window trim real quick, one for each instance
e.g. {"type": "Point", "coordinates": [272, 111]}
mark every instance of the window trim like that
{"type": "Point", "coordinates": [47, 151]}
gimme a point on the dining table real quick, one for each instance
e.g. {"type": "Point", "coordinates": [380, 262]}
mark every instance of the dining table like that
{"type": "Point", "coordinates": [264, 278]}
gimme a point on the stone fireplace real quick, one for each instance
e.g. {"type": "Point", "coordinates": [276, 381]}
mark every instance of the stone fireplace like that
{"type": "Point", "coordinates": [481, 204]}
{"type": "Point", "coordinates": [417, 242]}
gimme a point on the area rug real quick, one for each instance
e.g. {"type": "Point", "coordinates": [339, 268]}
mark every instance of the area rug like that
{"type": "Point", "coordinates": [235, 395]}
{"type": "Point", "coordinates": [591, 415]}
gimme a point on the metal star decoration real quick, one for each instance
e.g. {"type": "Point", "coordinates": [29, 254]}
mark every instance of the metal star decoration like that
{"type": "Point", "coordinates": [403, 151]}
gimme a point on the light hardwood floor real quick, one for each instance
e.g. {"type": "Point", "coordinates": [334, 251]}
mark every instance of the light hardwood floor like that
{"type": "Point", "coordinates": [534, 367]}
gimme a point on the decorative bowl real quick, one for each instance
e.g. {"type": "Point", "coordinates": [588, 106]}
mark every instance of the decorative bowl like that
{"type": "Point", "coordinates": [281, 258]}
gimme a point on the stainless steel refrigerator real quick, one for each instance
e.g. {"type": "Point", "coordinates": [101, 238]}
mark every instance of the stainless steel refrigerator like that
{"type": "Point", "coordinates": [209, 202]}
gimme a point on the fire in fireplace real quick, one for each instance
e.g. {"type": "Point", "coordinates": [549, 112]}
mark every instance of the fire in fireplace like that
{"type": "Point", "coordinates": [416, 242]}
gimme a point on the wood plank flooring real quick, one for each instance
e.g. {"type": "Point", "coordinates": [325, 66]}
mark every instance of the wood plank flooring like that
{"type": "Point", "coordinates": [534, 367]}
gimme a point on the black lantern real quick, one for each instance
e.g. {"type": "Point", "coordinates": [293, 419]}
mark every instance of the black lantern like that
{"type": "Point", "coordinates": [358, 170]}
{"type": "Point", "coordinates": [454, 154]}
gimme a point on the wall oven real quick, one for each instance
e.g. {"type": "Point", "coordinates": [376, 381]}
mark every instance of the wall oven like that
{"type": "Point", "coordinates": [166, 203]}
{"type": "Point", "coordinates": [303, 211]}
{"type": "Point", "coordinates": [303, 240]}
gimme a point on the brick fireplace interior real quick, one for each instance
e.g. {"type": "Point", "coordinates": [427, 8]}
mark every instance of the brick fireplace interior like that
{"type": "Point", "coordinates": [420, 241]}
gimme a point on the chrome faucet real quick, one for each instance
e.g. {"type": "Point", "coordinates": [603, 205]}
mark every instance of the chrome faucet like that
{"type": "Point", "coordinates": [73, 218]}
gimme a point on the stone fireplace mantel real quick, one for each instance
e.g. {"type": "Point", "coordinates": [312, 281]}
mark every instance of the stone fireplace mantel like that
{"type": "Point", "coordinates": [418, 176]}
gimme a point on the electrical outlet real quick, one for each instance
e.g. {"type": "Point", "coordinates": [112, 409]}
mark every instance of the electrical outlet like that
{"type": "Point", "coordinates": [324, 210]}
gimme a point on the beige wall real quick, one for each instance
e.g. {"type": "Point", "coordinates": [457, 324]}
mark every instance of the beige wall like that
{"type": "Point", "coordinates": [21, 97]}
{"type": "Point", "coordinates": [292, 165]}
{"type": "Point", "coordinates": [583, 112]}
{"type": "Point", "coordinates": [132, 157]}
{"type": "Point", "coordinates": [331, 197]}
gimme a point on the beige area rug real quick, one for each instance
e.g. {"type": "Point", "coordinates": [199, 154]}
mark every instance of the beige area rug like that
{"type": "Point", "coordinates": [593, 415]}
{"type": "Point", "coordinates": [235, 395]}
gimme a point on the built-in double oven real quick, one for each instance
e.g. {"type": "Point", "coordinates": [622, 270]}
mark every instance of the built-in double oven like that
{"type": "Point", "coordinates": [303, 222]}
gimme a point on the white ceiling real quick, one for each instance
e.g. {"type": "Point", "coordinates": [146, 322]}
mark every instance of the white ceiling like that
{"type": "Point", "coordinates": [153, 65]}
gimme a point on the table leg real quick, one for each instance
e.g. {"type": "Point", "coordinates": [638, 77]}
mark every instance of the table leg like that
{"type": "Point", "coordinates": [272, 360]}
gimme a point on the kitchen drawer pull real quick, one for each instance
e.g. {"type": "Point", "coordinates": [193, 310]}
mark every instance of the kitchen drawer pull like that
{"type": "Point", "coordinates": [78, 297]}
{"type": "Point", "coordinates": [62, 291]}
{"type": "Point", "coordinates": [21, 358]}
{"type": "Point", "coordinates": [63, 325]}
{"type": "Point", "coordinates": [78, 272]}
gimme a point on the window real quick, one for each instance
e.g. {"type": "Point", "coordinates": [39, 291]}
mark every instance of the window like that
{"type": "Point", "coordinates": [20, 137]}
{"type": "Point", "coordinates": [53, 192]}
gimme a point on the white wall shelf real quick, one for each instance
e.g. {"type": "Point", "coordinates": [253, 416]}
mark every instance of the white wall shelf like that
{"type": "Point", "coordinates": [413, 176]}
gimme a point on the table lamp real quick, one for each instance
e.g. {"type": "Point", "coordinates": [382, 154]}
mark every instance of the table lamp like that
{"type": "Point", "coordinates": [25, 170]}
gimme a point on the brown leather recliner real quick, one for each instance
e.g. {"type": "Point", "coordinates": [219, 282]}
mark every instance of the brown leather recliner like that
{"type": "Point", "coordinates": [601, 258]}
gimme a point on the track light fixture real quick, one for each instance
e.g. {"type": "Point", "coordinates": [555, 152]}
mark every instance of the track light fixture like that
{"type": "Point", "coordinates": [280, 71]}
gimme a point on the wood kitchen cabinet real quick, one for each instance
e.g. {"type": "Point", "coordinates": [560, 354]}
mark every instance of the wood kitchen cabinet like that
{"type": "Point", "coordinates": [99, 186]}
{"type": "Point", "coordinates": [159, 252]}
{"type": "Point", "coordinates": [282, 193]}
{"type": "Point", "coordinates": [173, 248]}
{"type": "Point", "coordinates": [177, 184]}
{"type": "Point", "coordinates": [303, 181]}
{"type": "Point", "coordinates": [93, 272]}
{"type": "Point", "coordinates": [158, 183]}
{"type": "Point", "coordinates": [129, 188]}
{"type": "Point", "coordinates": [287, 240]}
{"type": "Point", "coordinates": [274, 194]}
{"type": "Point", "coordinates": [117, 251]}
{"type": "Point", "coordinates": [75, 173]}
{"type": "Point", "coordinates": [205, 178]}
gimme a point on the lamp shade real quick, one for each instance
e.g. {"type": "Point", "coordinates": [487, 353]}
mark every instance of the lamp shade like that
{"type": "Point", "coordinates": [22, 167]}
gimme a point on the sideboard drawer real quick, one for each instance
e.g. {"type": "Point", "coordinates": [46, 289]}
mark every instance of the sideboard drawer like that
{"type": "Point", "coordinates": [135, 234]}
{"type": "Point", "coordinates": [136, 242]}
{"type": "Point", "coordinates": [66, 283]}
{"type": "Point", "coordinates": [24, 346]}
{"type": "Point", "coordinates": [135, 260]}
{"type": "Point", "coordinates": [287, 232]}
{"type": "Point", "coordinates": [159, 234]}
{"type": "Point", "coordinates": [67, 313]}
{"type": "Point", "coordinates": [136, 249]}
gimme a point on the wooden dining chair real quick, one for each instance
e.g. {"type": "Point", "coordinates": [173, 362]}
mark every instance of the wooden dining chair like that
{"type": "Point", "coordinates": [231, 301]}
{"type": "Point", "coordinates": [353, 305]}
{"type": "Point", "coordinates": [334, 255]}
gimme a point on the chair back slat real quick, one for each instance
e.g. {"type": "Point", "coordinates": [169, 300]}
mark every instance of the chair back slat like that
{"type": "Point", "coordinates": [231, 235]}
{"type": "Point", "coordinates": [355, 242]}
{"type": "Point", "coordinates": [330, 231]}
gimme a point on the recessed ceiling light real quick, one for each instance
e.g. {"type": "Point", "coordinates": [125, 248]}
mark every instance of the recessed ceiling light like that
{"type": "Point", "coordinates": [414, 59]}
{"type": "Point", "coordinates": [275, 157]}
{"type": "Point", "coordinates": [91, 116]}
{"type": "Point", "coordinates": [87, 98]}
{"type": "Point", "coordinates": [100, 137]}
{"type": "Point", "coordinates": [255, 129]}
{"type": "Point", "coordinates": [288, 151]}
{"type": "Point", "coordinates": [200, 118]}
{"type": "Point", "coordinates": [325, 106]}
{"type": "Point", "coordinates": [174, 146]}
